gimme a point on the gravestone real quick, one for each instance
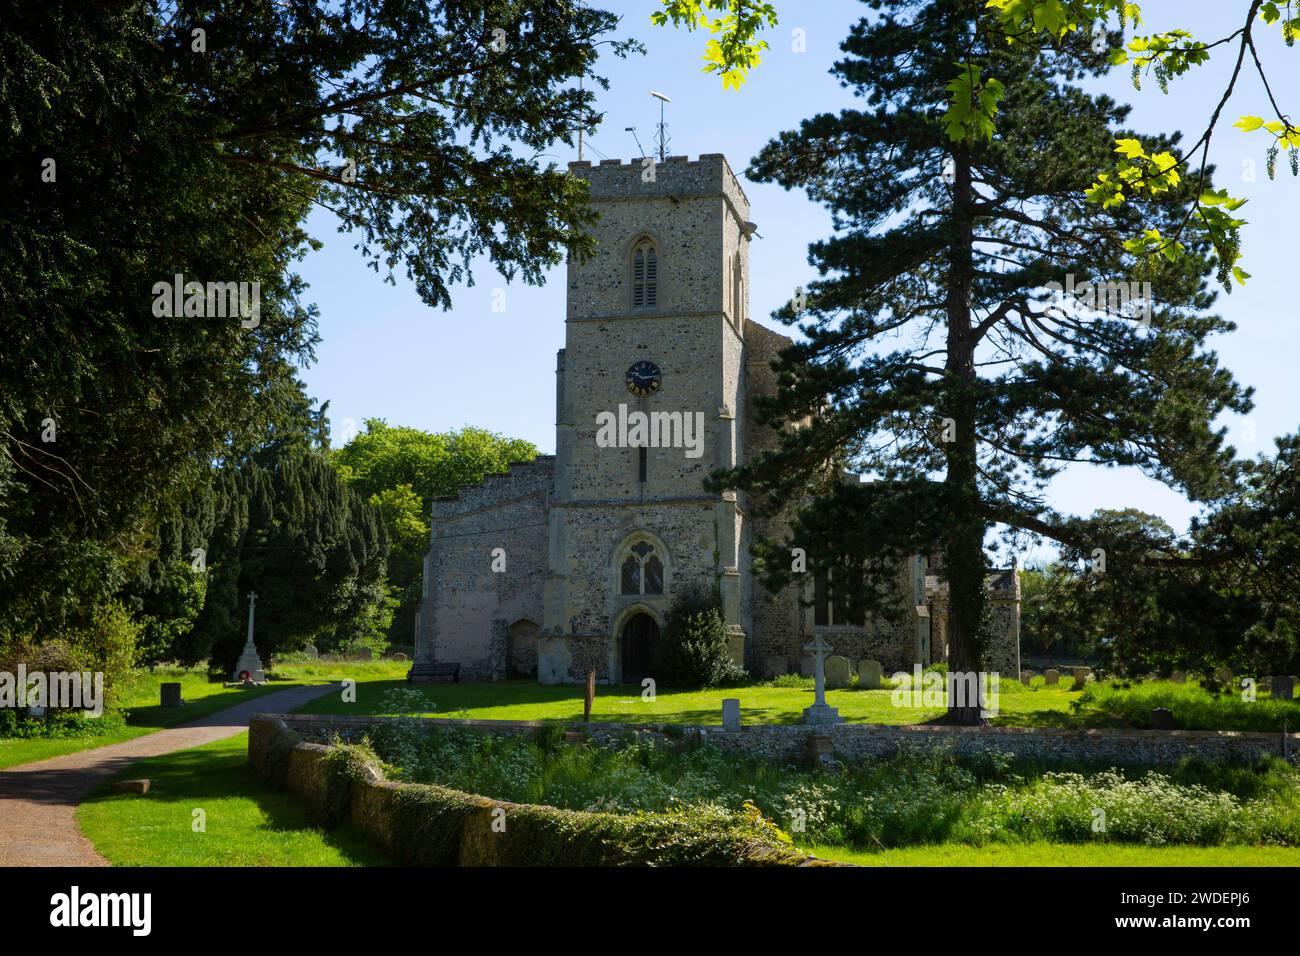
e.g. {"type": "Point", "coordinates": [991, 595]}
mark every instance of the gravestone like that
{"type": "Point", "coordinates": [1052, 676]}
{"type": "Point", "coordinates": [1223, 675]}
{"type": "Point", "coordinates": [1179, 677]}
{"type": "Point", "coordinates": [1283, 687]}
{"type": "Point", "coordinates": [1026, 677]}
{"type": "Point", "coordinates": [807, 667]}
{"type": "Point", "coordinates": [399, 656]}
{"type": "Point", "coordinates": [171, 695]}
{"type": "Point", "coordinates": [1162, 718]}
{"type": "Point", "coordinates": [837, 672]}
{"type": "Point", "coordinates": [131, 786]}
{"type": "Point", "coordinates": [312, 651]}
{"type": "Point", "coordinates": [1081, 676]}
{"type": "Point", "coordinates": [731, 713]}
{"type": "Point", "coordinates": [774, 667]}
{"type": "Point", "coordinates": [869, 675]}
{"type": "Point", "coordinates": [363, 653]}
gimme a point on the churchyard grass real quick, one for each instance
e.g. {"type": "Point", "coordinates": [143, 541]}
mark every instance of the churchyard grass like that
{"type": "Point", "coordinates": [783, 703]}
{"type": "Point", "coordinates": [244, 823]}
{"type": "Point", "coordinates": [143, 714]}
{"type": "Point", "coordinates": [1126, 704]}
{"type": "Point", "coordinates": [760, 703]}
{"type": "Point", "coordinates": [315, 672]}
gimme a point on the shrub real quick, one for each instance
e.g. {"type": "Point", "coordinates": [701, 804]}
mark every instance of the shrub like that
{"type": "Point", "coordinates": [106, 644]}
{"type": "Point", "coordinates": [694, 649]}
{"type": "Point", "coordinates": [791, 680]}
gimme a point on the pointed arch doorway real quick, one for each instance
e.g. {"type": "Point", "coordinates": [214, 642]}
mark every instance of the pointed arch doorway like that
{"type": "Point", "coordinates": [640, 634]}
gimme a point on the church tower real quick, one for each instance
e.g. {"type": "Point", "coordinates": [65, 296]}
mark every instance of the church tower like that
{"type": "Point", "coordinates": [649, 400]}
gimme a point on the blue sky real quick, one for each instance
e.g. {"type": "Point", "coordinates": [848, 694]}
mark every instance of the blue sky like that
{"type": "Point", "coordinates": [386, 355]}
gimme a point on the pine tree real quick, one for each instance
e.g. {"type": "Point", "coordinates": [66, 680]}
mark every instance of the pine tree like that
{"type": "Point", "coordinates": [937, 360]}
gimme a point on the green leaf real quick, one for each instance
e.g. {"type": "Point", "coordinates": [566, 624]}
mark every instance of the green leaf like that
{"type": "Point", "coordinates": [1130, 148]}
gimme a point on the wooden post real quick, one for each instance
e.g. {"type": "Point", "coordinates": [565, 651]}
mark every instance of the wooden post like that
{"type": "Point", "coordinates": [590, 696]}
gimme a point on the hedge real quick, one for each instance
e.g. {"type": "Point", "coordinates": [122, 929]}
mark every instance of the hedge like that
{"type": "Point", "coordinates": [428, 825]}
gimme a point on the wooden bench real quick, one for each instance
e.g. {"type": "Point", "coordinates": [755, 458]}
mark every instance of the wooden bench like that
{"type": "Point", "coordinates": [434, 671]}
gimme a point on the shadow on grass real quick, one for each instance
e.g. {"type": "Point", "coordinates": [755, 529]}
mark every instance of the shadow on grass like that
{"type": "Point", "coordinates": [159, 717]}
{"type": "Point", "coordinates": [450, 696]}
{"type": "Point", "coordinates": [1039, 718]}
{"type": "Point", "coordinates": [196, 778]}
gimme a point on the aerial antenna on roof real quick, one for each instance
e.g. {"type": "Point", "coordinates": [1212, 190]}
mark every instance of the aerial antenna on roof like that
{"type": "Point", "coordinates": [632, 130]}
{"type": "Point", "coordinates": [661, 136]}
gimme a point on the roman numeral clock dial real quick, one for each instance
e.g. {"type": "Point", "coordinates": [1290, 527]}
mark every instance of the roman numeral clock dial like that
{"type": "Point", "coordinates": [644, 379]}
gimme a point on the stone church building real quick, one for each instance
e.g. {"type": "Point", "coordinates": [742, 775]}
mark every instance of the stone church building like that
{"type": "Point", "coordinates": [569, 562]}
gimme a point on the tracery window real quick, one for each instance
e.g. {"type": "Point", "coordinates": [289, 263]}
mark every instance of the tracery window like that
{"type": "Point", "coordinates": [642, 571]}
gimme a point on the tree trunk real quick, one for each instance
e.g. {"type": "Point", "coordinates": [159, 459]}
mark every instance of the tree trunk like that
{"type": "Point", "coordinates": [964, 548]}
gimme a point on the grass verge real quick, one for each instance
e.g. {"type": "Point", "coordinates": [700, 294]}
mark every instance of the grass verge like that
{"type": "Point", "coordinates": [1063, 855]}
{"type": "Point", "coordinates": [244, 823]}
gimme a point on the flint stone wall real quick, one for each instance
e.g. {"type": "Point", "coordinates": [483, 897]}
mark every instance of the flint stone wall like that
{"type": "Point", "coordinates": [467, 608]}
{"type": "Point", "coordinates": [427, 825]}
{"type": "Point", "coordinates": [856, 742]}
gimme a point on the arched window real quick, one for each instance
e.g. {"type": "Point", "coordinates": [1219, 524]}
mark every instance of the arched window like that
{"type": "Point", "coordinates": [654, 575]}
{"type": "Point", "coordinates": [642, 571]}
{"type": "Point", "coordinates": [645, 275]}
{"type": "Point", "coordinates": [631, 575]}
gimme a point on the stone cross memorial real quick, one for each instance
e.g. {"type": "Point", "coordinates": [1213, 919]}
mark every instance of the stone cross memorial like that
{"type": "Point", "coordinates": [249, 663]}
{"type": "Point", "coordinates": [820, 712]}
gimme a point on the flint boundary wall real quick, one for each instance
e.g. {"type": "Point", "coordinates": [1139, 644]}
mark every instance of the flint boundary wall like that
{"type": "Point", "coordinates": [426, 825]}
{"type": "Point", "coordinates": [853, 742]}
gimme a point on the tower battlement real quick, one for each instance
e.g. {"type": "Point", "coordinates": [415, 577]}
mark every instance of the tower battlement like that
{"type": "Point", "coordinates": [676, 177]}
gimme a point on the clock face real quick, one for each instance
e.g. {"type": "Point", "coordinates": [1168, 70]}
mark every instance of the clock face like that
{"type": "Point", "coordinates": [644, 378]}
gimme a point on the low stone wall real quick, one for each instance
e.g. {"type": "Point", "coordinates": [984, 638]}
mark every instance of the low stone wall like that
{"type": "Point", "coordinates": [427, 825]}
{"type": "Point", "coordinates": [853, 742]}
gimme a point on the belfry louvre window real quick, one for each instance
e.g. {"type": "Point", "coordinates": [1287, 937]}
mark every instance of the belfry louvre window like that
{"type": "Point", "coordinates": [645, 275]}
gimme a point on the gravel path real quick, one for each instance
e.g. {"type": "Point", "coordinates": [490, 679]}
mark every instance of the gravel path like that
{"type": "Point", "coordinates": [38, 801]}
